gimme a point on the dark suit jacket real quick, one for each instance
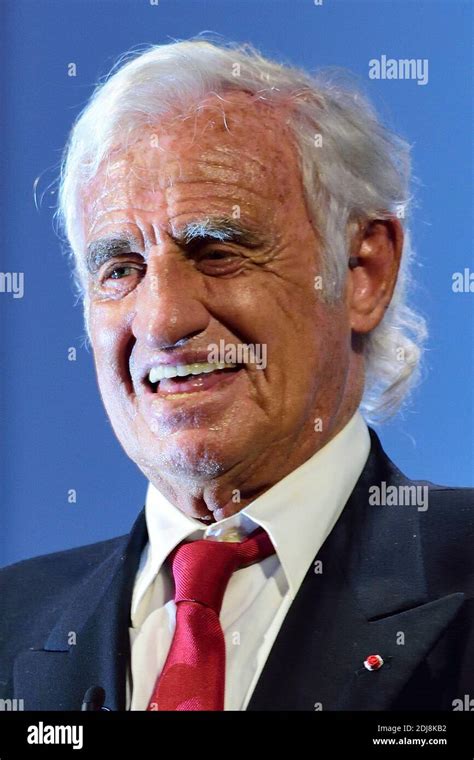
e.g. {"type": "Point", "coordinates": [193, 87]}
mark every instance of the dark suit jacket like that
{"type": "Point", "coordinates": [395, 581]}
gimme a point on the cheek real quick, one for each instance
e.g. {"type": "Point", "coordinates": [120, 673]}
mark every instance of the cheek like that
{"type": "Point", "coordinates": [332, 339]}
{"type": "Point", "coordinates": [112, 343]}
{"type": "Point", "coordinates": [320, 344]}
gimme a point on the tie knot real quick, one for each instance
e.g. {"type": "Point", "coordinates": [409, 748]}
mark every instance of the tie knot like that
{"type": "Point", "coordinates": [202, 569]}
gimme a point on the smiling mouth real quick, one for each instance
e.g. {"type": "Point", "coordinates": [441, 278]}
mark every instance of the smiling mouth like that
{"type": "Point", "coordinates": [167, 380]}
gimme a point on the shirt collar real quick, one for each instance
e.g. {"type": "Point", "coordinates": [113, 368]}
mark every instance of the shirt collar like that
{"type": "Point", "coordinates": [298, 512]}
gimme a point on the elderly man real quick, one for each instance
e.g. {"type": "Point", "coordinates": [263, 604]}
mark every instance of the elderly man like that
{"type": "Point", "coordinates": [236, 227]}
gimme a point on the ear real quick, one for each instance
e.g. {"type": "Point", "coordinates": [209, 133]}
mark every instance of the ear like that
{"type": "Point", "coordinates": [373, 268]}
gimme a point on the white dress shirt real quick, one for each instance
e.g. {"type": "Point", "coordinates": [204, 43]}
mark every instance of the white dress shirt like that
{"type": "Point", "coordinates": [298, 514]}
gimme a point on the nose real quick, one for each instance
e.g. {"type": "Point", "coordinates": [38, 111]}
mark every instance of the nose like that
{"type": "Point", "coordinates": [168, 309]}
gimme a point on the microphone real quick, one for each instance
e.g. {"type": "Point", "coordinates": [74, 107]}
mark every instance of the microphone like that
{"type": "Point", "coordinates": [93, 699]}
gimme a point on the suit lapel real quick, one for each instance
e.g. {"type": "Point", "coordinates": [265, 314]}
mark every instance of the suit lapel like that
{"type": "Point", "coordinates": [370, 598]}
{"type": "Point", "coordinates": [90, 644]}
{"type": "Point", "coordinates": [419, 628]}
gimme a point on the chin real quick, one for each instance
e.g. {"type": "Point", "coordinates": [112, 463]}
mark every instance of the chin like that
{"type": "Point", "coordinates": [194, 454]}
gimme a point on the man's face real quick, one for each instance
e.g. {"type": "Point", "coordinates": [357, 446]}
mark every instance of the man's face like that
{"type": "Point", "coordinates": [163, 289]}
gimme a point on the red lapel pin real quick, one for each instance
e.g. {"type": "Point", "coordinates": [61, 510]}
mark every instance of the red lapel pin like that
{"type": "Point", "coordinates": [373, 662]}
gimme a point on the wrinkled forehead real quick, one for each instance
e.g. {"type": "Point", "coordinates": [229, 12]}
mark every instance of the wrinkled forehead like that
{"type": "Point", "coordinates": [231, 143]}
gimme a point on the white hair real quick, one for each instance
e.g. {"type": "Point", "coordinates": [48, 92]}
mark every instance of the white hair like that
{"type": "Point", "coordinates": [360, 171]}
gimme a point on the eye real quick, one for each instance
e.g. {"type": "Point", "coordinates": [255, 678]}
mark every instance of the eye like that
{"type": "Point", "coordinates": [117, 273]}
{"type": "Point", "coordinates": [216, 255]}
{"type": "Point", "coordinates": [119, 278]}
{"type": "Point", "coordinates": [218, 261]}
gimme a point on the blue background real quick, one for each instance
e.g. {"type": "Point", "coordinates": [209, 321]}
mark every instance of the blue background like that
{"type": "Point", "coordinates": [54, 433]}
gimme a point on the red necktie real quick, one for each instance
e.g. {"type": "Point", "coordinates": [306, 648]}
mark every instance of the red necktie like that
{"type": "Point", "coordinates": [193, 676]}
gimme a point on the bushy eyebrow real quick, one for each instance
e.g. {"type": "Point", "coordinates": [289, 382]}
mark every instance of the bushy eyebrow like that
{"type": "Point", "coordinates": [222, 229]}
{"type": "Point", "coordinates": [101, 250]}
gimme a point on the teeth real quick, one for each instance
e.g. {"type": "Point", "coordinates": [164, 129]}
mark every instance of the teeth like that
{"type": "Point", "coordinates": [163, 371]}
